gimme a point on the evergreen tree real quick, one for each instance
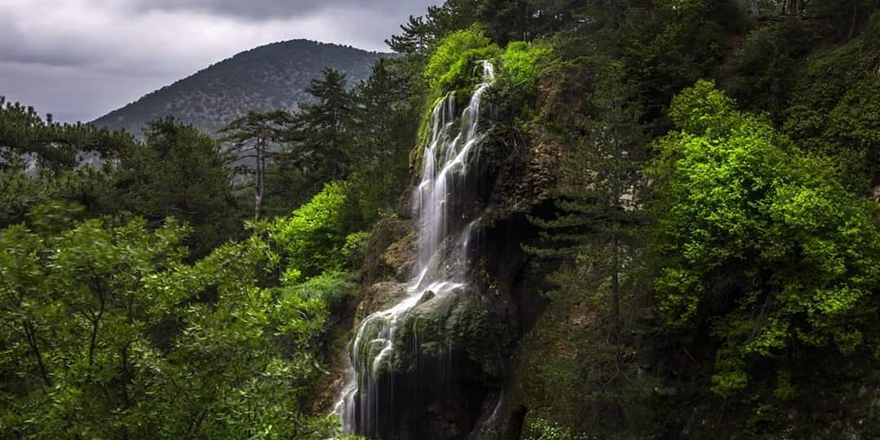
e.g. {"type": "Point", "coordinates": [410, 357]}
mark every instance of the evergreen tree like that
{"type": "Point", "coordinates": [51, 146]}
{"type": "Point", "coordinates": [420, 34]}
{"type": "Point", "coordinates": [255, 138]}
{"type": "Point", "coordinates": [326, 132]}
{"type": "Point", "coordinates": [601, 186]}
{"type": "Point", "coordinates": [180, 172]}
{"type": "Point", "coordinates": [385, 115]}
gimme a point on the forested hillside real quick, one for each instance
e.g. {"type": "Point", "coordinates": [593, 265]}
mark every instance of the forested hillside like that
{"type": "Point", "coordinates": [542, 220]}
{"type": "Point", "coordinates": [269, 77]}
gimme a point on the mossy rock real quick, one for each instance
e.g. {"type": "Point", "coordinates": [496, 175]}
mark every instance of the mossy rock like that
{"type": "Point", "coordinates": [380, 296]}
{"type": "Point", "coordinates": [390, 246]}
{"type": "Point", "coordinates": [446, 323]}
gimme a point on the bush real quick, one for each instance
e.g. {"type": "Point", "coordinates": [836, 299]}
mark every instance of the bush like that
{"type": "Point", "coordinates": [546, 430]}
{"type": "Point", "coordinates": [522, 61]}
{"type": "Point", "coordinates": [311, 237]}
{"type": "Point", "coordinates": [330, 288]}
{"type": "Point", "coordinates": [762, 245]}
{"type": "Point", "coordinates": [765, 64]}
{"type": "Point", "coordinates": [355, 249]}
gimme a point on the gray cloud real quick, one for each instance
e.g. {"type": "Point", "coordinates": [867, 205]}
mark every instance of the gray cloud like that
{"type": "Point", "coordinates": [277, 9]}
{"type": "Point", "coordinates": [80, 59]}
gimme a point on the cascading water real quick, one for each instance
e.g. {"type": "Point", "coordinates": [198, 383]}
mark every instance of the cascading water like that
{"type": "Point", "coordinates": [443, 234]}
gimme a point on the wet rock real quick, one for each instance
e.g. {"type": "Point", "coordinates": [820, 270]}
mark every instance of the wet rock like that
{"type": "Point", "coordinates": [390, 248]}
{"type": "Point", "coordinates": [379, 296]}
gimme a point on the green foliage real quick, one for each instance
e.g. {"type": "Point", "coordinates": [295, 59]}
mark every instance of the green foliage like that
{"type": "Point", "coordinates": [355, 248]}
{"type": "Point", "coordinates": [760, 242]}
{"type": "Point", "coordinates": [254, 141]}
{"type": "Point", "coordinates": [522, 62]}
{"type": "Point", "coordinates": [593, 237]}
{"type": "Point", "coordinates": [386, 117]}
{"type": "Point", "coordinates": [545, 430]}
{"type": "Point", "coordinates": [670, 48]}
{"type": "Point", "coordinates": [452, 65]}
{"type": "Point", "coordinates": [108, 333]}
{"type": "Point", "coordinates": [765, 65]}
{"type": "Point", "coordinates": [326, 136]}
{"type": "Point", "coordinates": [179, 172]}
{"type": "Point", "coordinates": [52, 146]}
{"type": "Point", "coordinates": [329, 288]}
{"type": "Point", "coordinates": [41, 160]}
{"type": "Point", "coordinates": [312, 238]}
{"type": "Point", "coordinates": [834, 108]}
{"type": "Point", "coordinates": [420, 34]}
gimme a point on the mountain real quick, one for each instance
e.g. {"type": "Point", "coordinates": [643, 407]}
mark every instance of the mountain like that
{"type": "Point", "coordinates": [265, 78]}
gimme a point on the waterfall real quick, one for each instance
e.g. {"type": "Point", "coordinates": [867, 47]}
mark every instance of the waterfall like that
{"type": "Point", "coordinates": [443, 233]}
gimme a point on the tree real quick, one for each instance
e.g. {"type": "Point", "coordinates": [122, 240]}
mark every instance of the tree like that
{"type": "Point", "coordinates": [179, 172]}
{"type": "Point", "coordinates": [25, 138]}
{"type": "Point", "coordinates": [672, 46]}
{"type": "Point", "coordinates": [326, 130]}
{"type": "Point", "coordinates": [762, 248]}
{"type": "Point", "coordinates": [41, 160]}
{"type": "Point", "coordinates": [420, 34]}
{"type": "Point", "coordinates": [601, 183]}
{"type": "Point", "coordinates": [107, 333]}
{"type": "Point", "coordinates": [312, 237]}
{"type": "Point", "coordinates": [385, 118]}
{"type": "Point", "coordinates": [255, 137]}
{"type": "Point", "coordinates": [593, 241]}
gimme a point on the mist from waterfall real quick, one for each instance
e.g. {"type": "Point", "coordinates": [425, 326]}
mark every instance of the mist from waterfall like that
{"type": "Point", "coordinates": [442, 235]}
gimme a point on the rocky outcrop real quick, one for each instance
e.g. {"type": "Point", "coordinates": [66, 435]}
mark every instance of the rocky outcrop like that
{"type": "Point", "coordinates": [440, 369]}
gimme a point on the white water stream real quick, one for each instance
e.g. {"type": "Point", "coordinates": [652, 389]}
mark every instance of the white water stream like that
{"type": "Point", "coordinates": [454, 141]}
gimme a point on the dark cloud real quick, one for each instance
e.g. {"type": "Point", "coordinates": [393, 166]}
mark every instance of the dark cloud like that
{"type": "Point", "coordinates": [19, 47]}
{"type": "Point", "coordinates": [80, 59]}
{"type": "Point", "coordinates": [281, 9]}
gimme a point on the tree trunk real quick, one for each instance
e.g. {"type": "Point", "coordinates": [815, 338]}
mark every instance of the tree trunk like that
{"type": "Point", "coordinates": [852, 26]}
{"type": "Point", "coordinates": [124, 373]}
{"type": "Point", "coordinates": [753, 7]}
{"type": "Point", "coordinates": [31, 334]}
{"type": "Point", "coordinates": [258, 179]}
{"type": "Point", "coordinates": [615, 290]}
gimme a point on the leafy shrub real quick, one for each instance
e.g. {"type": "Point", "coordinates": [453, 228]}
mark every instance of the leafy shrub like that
{"type": "Point", "coordinates": [669, 50]}
{"type": "Point", "coordinates": [311, 237]}
{"type": "Point", "coordinates": [109, 333]}
{"type": "Point", "coordinates": [355, 248]}
{"type": "Point", "coordinates": [835, 107]}
{"type": "Point", "coordinates": [330, 288]}
{"type": "Point", "coordinates": [546, 430]}
{"type": "Point", "coordinates": [765, 65]}
{"type": "Point", "coordinates": [522, 61]}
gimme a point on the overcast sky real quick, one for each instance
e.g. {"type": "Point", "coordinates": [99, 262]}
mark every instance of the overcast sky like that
{"type": "Point", "coordinates": [79, 59]}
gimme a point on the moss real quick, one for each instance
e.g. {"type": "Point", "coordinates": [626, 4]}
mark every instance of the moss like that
{"type": "Point", "coordinates": [455, 321]}
{"type": "Point", "coordinates": [453, 63]}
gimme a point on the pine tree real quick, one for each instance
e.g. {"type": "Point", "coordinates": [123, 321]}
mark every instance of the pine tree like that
{"type": "Point", "coordinates": [326, 127]}
{"type": "Point", "coordinates": [179, 172]}
{"type": "Point", "coordinates": [385, 116]}
{"type": "Point", "coordinates": [255, 137]}
{"type": "Point", "coordinates": [598, 200]}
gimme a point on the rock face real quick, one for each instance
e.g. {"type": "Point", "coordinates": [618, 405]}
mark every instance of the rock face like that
{"type": "Point", "coordinates": [444, 309]}
{"type": "Point", "coordinates": [441, 370]}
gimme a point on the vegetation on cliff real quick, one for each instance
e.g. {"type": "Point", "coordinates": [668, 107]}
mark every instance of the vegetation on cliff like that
{"type": "Point", "coordinates": [682, 195]}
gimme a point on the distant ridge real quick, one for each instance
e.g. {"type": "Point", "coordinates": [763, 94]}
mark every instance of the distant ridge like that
{"type": "Point", "coordinates": [264, 78]}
